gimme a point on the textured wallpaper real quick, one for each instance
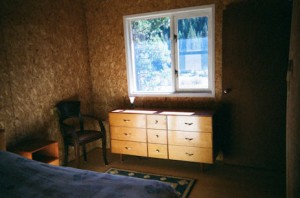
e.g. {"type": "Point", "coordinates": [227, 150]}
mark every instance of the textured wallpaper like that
{"type": "Point", "coordinates": [53, 50]}
{"type": "Point", "coordinates": [107, 53]}
{"type": "Point", "coordinates": [44, 60]}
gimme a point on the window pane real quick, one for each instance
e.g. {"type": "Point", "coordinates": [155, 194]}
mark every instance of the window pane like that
{"type": "Point", "coordinates": [193, 53]}
{"type": "Point", "coordinates": [152, 54]}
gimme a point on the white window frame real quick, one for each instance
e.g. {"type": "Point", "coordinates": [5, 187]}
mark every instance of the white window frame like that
{"type": "Point", "coordinates": [209, 11]}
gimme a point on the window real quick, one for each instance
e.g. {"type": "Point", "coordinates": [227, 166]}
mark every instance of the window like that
{"type": "Point", "coordinates": [171, 53]}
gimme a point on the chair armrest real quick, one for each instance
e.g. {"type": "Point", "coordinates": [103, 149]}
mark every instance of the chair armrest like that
{"type": "Point", "coordinates": [95, 118]}
{"type": "Point", "coordinates": [89, 116]}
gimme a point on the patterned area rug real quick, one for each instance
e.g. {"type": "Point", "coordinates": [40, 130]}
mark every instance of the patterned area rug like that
{"type": "Point", "coordinates": [183, 186]}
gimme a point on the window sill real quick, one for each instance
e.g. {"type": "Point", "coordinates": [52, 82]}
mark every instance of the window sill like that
{"type": "Point", "coordinates": [200, 95]}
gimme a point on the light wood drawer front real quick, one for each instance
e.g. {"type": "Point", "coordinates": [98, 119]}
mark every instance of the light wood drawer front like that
{"type": "Point", "coordinates": [158, 151]}
{"type": "Point", "coordinates": [193, 154]}
{"type": "Point", "coordinates": [127, 133]}
{"type": "Point", "coordinates": [156, 122]}
{"type": "Point", "coordinates": [129, 148]}
{"type": "Point", "coordinates": [190, 138]}
{"type": "Point", "coordinates": [127, 120]}
{"type": "Point", "coordinates": [157, 136]}
{"type": "Point", "coordinates": [190, 123]}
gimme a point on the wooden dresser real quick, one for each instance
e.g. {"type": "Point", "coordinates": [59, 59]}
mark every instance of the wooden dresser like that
{"type": "Point", "coordinates": [176, 135]}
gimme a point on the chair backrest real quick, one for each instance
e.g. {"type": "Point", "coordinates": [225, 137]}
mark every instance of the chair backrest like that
{"type": "Point", "coordinates": [66, 110]}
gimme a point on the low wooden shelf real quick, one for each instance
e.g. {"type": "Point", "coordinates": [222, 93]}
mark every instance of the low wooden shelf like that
{"type": "Point", "coordinates": [40, 150]}
{"type": "Point", "coordinates": [2, 140]}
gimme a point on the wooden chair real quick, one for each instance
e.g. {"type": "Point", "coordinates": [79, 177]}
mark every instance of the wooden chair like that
{"type": "Point", "coordinates": [74, 130]}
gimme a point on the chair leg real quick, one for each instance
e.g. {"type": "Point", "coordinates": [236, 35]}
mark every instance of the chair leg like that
{"type": "Point", "coordinates": [84, 152]}
{"type": "Point", "coordinates": [77, 155]}
{"type": "Point", "coordinates": [66, 154]}
{"type": "Point", "coordinates": [104, 151]}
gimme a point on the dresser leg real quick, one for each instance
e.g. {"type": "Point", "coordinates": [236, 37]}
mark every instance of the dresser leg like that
{"type": "Point", "coordinates": [202, 167]}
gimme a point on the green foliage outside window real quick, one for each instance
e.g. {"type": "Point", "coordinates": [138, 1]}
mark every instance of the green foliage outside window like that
{"type": "Point", "coordinates": [152, 54]}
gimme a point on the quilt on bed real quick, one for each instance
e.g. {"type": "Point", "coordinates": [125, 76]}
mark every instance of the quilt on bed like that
{"type": "Point", "coordinates": [21, 177]}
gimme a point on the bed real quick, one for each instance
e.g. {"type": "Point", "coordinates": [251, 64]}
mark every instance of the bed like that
{"type": "Point", "coordinates": [22, 177]}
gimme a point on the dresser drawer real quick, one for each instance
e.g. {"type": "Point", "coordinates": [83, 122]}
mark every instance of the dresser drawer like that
{"type": "Point", "coordinates": [129, 148]}
{"type": "Point", "coordinates": [198, 139]}
{"type": "Point", "coordinates": [192, 154]}
{"type": "Point", "coordinates": [127, 120]}
{"type": "Point", "coordinates": [156, 122]}
{"type": "Point", "coordinates": [127, 133]}
{"type": "Point", "coordinates": [157, 136]}
{"type": "Point", "coordinates": [158, 151]}
{"type": "Point", "coordinates": [190, 123]}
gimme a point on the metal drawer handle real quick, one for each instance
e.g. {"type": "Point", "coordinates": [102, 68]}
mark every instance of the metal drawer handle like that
{"type": "Point", "coordinates": [127, 134]}
{"type": "Point", "coordinates": [128, 148]}
{"type": "Point", "coordinates": [189, 139]}
{"type": "Point", "coordinates": [157, 135]}
{"type": "Point", "coordinates": [157, 150]}
{"type": "Point", "coordinates": [188, 123]}
{"type": "Point", "coordinates": [156, 121]}
{"type": "Point", "coordinates": [189, 154]}
{"type": "Point", "coordinates": [126, 120]}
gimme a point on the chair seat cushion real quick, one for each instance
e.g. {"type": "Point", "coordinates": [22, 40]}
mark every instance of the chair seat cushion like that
{"type": "Point", "coordinates": [86, 136]}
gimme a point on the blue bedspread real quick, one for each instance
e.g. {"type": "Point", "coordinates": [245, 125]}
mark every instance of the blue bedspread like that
{"type": "Point", "coordinates": [21, 177]}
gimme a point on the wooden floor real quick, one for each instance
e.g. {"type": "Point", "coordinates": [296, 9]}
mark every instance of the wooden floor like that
{"type": "Point", "coordinates": [218, 180]}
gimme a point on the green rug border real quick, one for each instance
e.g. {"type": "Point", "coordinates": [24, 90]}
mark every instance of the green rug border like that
{"type": "Point", "coordinates": [188, 188]}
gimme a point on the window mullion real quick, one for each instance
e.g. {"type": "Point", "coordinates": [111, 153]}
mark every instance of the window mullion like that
{"type": "Point", "coordinates": [174, 52]}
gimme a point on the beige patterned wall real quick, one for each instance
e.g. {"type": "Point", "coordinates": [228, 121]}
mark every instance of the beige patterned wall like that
{"type": "Point", "coordinates": [107, 53]}
{"type": "Point", "coordinates": [47, 47]}
{"type": "Point", "coordinates": [5, 91]}
{"type": "Point", "coordinates": [44, 59]}
{"type": "Point", "coordinates": [52, 50]}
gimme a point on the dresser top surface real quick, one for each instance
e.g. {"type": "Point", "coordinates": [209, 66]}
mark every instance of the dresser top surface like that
{"type": "Point", "coordinates": [168, 112]}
